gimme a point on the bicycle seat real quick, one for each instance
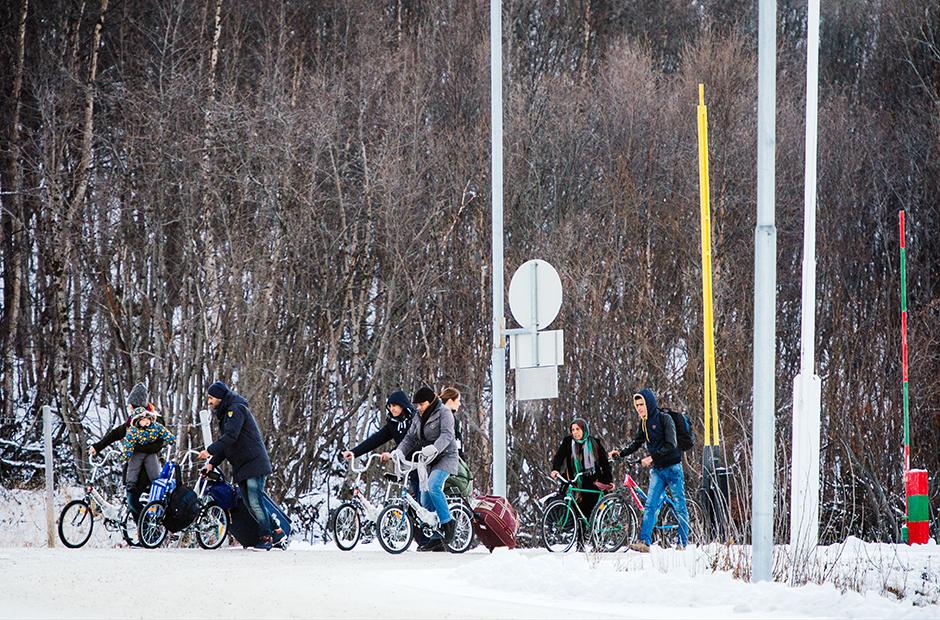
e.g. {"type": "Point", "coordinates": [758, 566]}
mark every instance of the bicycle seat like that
{"type": "Point", "coordinates": [604, 487]}
{"type": "Point", "coordinates": [392, 476]}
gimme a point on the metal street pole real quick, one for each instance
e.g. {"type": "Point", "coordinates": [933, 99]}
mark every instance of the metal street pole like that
{"type": "Point", "coordinates": [807, 390]}
{"type": "Point", "coordinates": [498, 373]}
{"type": "Point", "coordinates": [765, 300]}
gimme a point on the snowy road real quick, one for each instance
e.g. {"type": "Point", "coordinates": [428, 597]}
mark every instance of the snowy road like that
{"type": "Point", "coordinates": [322, 582]}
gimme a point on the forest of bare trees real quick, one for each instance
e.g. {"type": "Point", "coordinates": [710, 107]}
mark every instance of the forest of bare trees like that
{"type": "Point", "coordinates": [293, 196]}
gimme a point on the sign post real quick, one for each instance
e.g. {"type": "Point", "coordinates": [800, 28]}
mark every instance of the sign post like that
{"type": "Point", "coordinates": [535, 299]}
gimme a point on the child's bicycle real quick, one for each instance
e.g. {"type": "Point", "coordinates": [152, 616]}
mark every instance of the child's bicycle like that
{"type": "Point", "coordinates": [77, 519]}
{"type": "Point", "coordinates": [616, 518]}
{"type": "Point", "coordinates": [396, 522]}
{"type": "Point", "coordinates": [357, 515]}
{"type": "Point", "coordinates": [206, 515]}
{"type": "Point", "coordinates": [563, 520]}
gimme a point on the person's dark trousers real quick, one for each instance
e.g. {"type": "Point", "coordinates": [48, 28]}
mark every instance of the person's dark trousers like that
{"type": "Point", "coordinates": [133, 501]}
{"type": "Point", "coordinates": [414, 488]}
{"type": "Point", "coordinates": [252, 491]}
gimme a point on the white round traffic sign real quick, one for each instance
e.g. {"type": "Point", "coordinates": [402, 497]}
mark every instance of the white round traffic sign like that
{"type": "Point", "coordinates": [535, 294]}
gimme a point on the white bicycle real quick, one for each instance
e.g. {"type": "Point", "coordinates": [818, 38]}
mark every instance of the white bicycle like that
{"type": "Point", "coordinates": [358, 515]}
{"type": "Point", "coordinates": [77, 519]}
{"type": "Point", "coordinates": [396, 523]}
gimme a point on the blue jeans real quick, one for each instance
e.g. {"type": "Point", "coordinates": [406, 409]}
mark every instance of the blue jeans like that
{"type": "Point", "coordinates": [252, 490]}
{"type": "Point", "coordinates": [674, 478]}
{"type": "Point", "coordinates": [434, 498]}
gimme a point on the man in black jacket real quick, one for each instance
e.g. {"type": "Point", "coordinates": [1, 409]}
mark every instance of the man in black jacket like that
{"type": "Point", "coordinates": [658, 431]}
{"type": "Point", "coordinates": [400, 411]}
{"type": "Point", "coordinates": [241, 444]}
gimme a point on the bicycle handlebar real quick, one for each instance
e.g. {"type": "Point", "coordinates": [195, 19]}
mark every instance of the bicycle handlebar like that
{"type": "Point", "coordinates": [623, 458]}
{"type": "Point", "coordinates": [354, 469]}
{"type": "Point", "coordinates": [564, 480]}
{"type": "Point", "coordinates": [417, 460]}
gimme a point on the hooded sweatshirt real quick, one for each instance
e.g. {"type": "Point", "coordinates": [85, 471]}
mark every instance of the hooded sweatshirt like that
{"type": "Point", "coordinates": [658, 432]}
{"type": "Point", "coordinates": [395, 428]}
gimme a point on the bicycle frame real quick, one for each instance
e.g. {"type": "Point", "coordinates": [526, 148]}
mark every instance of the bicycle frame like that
{"type": "Point", "coordinates": [639, 495]}
{"type": "Point", "coordinates": [369, 510]}
{"type": "Point", "coordinates": [571, 500]}
{"type": "Point", "coordinates": [109, 511]}
{"type": "Point", "coordinates": [426, 518]}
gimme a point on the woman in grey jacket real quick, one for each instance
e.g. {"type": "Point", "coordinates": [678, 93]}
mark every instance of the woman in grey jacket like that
{"type": "Point", "coordinates": [432, 433]}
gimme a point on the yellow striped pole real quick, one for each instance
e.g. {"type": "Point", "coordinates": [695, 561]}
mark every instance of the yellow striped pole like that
{"type": "Point", "coordinates": [710, 408]}
{"type": "Point", "coordinates": [714, 475]}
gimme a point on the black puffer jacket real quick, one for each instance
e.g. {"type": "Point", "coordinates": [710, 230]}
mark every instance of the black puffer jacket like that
{"type": "Point", "coordinates": [239, 440]}
{"type": "Point", "coordinates": [395, 428]}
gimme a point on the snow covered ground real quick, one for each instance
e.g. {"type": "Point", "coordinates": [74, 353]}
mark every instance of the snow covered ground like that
{"type": "Point", "coordinates": [111, 581]}
{"type": "Point", "coordinates": [323, 582]}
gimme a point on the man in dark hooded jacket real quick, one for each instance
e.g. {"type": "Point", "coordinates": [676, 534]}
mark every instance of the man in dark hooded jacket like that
{"type": "Point", "coordinates": [400, 411]}
{"type": "Point", "coordinates": [240, 443]}
{"type": "Point", "coordinates": [658, 431]}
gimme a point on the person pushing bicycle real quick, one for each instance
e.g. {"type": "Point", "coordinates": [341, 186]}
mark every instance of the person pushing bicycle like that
{"type": "Point", "coordinates": [582, 453]}
{"type": "Point", "coordinates": [658, 432]}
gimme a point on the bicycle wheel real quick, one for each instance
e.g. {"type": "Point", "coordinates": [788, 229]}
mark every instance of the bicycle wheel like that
{"type": "Point", "coordinates": [463, 528]}
{"type": "Point", "coordinates": [150, 526]}
{"type": "Point", "coordinates": [393, 528]}
{"type": "Point", "coordinates": [347, 527]}
{"type": "Point", "coordinates": [76, 521]}
{"type": "Point", "coordinates": [613, 523]}
{"type": "Point", "coordinates": [559, 526]}
{"type": "Point", "coordinates": [129, 528]}
{"type": "Point", "coordinates": [666, 530]}
{"type": "Point", "coordinates": [211, 526]}
{"type": "Point", "coordinates": [696, 525]}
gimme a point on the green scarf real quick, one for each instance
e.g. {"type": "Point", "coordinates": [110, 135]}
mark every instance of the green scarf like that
{"type": "Point", "coordinates": [583, 448]}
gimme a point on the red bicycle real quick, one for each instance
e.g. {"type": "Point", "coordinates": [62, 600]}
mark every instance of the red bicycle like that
{"type": "Point", "coordinates": [616, 519]}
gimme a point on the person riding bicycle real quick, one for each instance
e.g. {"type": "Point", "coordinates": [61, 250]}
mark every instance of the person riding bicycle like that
{"type": "Point", "coordinates": [580, 453]}
{"type": "Point", "coordinates": [658, 432]}
{"type": "Point", "coordinates": [432, 432]}
{"type": "Point", "coordinates": [399, 412]}
{"type": "Point", "coordinates": [140, 470]}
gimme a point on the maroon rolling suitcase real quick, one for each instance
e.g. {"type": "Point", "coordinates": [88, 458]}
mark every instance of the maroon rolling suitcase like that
{"type": "Point", "coordinates": [495, 522]}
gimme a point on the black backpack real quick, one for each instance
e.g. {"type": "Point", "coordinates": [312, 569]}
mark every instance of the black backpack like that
{"type": "Point", "coordinates": [182, 509]}
{"type": "Point", "coordinates": [685, 436]}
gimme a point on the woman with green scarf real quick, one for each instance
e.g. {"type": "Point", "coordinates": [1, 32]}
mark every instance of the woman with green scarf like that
{"type": "Point", "coordinates": [580, 453]}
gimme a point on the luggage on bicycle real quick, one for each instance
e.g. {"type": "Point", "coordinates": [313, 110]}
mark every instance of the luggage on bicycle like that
{"type": "Point", "coordinates": [182, 508]}
{"type": "Point", "coordinates": [495, 522]}
{"type": "Point", "coordinates": [223, 494]}
{"type": "Point", "coordinates": [460, 483]}
{"type": "Point", "coordinates": [245, 529]}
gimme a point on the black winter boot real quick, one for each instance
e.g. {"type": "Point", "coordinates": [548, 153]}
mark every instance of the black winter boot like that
{"type": "Point", "coordinates": [448, 529]}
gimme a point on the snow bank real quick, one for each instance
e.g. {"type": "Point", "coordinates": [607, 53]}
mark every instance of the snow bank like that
{"type": "Point", "coordinates": [895, 581]}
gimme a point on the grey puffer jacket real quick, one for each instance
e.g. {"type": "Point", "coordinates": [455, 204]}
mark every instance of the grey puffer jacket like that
{"type": "Point", "coordinates": [434, 427]}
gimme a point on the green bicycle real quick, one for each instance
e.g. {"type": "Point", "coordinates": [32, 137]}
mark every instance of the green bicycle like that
{"type": "Point", "coordinates": [563, 518]}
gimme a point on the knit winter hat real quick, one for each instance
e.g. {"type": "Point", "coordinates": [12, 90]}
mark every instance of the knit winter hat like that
{"type": "Point", "coordinates": [138, 396]}
{"type": "Point", "coordinates": [424, 395]}
{"type": "Point", "coordinates": [218, 390]}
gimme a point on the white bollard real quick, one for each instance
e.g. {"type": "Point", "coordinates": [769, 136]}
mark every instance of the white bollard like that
{"type": "Point", "coordinates": [47, 445]}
